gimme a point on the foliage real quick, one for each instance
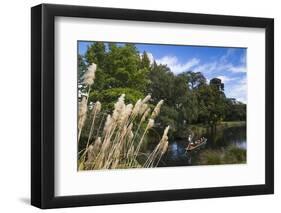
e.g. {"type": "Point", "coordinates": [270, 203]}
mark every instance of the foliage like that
{"type": "Point", "coordinates": [109, 96]}
{"type": "Point", "coordinates": [212, 104]}
{"type": "Point", "coordinates": [235, 110]}
{"type": "Point", "coordinates": [194, 79]}
{"type": "Point", "coordinates": [188, 98]}
{"type": "Point", "coordinates": [118, 66]}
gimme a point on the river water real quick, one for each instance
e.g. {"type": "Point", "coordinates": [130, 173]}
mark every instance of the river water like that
{"type": "Point", "coordinates": [223, 138]}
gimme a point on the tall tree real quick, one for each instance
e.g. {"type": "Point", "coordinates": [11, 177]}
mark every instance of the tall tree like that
{"type": "Point", "coordinates": [145, 61]}
{"type": "Point", "coordinates": [194, 79]}
{"type": "Point", "coordinates": [212, 104]}
{"type": "Point", "coordinates": [122, 64]}
{"type": "Point", "coordinates": [161, 83]}
{"type": "Point", "coordinates": [216, 82]}
{"type": "Point", "coordinates": [235, 110]}
{"type": "Point", "coordinates": [96, 54]}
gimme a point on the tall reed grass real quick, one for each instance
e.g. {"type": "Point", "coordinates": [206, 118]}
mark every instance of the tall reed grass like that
{"type": "Point", "coordinates": [117, 142]}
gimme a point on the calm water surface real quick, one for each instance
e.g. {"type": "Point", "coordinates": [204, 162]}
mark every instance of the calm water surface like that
{"type": "Point", "coordinates": [177, 156]}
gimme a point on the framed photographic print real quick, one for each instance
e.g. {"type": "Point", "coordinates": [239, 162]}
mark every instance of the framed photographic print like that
{"type": "Point", "coordinates": [139, 106]}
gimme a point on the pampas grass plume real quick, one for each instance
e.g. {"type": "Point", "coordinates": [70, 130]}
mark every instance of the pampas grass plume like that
{"type": "Point", "coordinates": [89, 75]}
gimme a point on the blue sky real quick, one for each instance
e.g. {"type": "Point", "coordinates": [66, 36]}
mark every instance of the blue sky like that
{"type": "Point", "coordinates": [226, 63]}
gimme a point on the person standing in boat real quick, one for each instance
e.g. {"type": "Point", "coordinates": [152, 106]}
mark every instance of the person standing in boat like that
{"type": "Point", "coordinates": [190, 142]}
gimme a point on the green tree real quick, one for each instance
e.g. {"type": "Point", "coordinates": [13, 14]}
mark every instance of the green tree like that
{"type": "Point", "coordinates": [212, 104]}
{"type": "Point", "coordinates": [145, 62]}
{"type": "Point", "coordinates": [161, 84]}
{"type": "Point", "coordinates": [235, 110]}
{"type": "Point", "coordinates": [194, 79]}
{"type": "Point", "coordinates": [122, 65]}
{"type": "Point", "coordinates": [118, 66]}
{"type": "Point", "coordinates": [96, 54]}
{"type": "Point", "coordinates": [180, 106]}
{"type": "Point", "coordinates": [185, 101]}
{"type": "Point", "coordinates": [216, 82]}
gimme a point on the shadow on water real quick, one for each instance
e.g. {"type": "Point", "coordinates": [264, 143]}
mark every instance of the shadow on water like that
{"type": "Point", "coordinates": [219, 139]}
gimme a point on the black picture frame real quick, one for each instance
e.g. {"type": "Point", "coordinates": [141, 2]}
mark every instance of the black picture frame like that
{"type": "Point", "coordinates": [43, 102]}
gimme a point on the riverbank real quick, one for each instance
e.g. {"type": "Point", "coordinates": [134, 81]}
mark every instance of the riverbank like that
{"type": "Point", "coordinates": [201, 128]}
{"type": "Point", "coordinates": [232, 123]}
{"type": "Point", "coordinates": [229, 155]}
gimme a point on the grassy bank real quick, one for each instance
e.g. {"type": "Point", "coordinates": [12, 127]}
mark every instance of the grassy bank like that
{"type": "Point", "coordinates": [232, 123]}
{"type": "Point", "coordinates": [230, 155]}
{"type": "Point", "coordinates": [201, 128]}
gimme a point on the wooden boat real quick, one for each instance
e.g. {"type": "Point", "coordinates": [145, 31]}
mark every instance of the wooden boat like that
{"type": "Point", "coordinates": [196, 144]}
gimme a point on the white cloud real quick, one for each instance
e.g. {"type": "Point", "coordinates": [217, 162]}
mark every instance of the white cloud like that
{"type": "Point", "coordinates": [176, 67]}
{"type": "Point", "coordinates": [227, 55]}
{"type": "Point", "coordinates": [167, 60]}
{"type": "Point", "coordinates": [150, 57]}
{"type": "Point", "coordinates": [206, 68]}
{"type": "Point", "coordinates": [223, 65]}
{"type": "Point", "coordinates": [219, 67]}
{"type": "Point", "coordinates": [226, 79]}
{"type": "Point", "coordinates": [237, 69]}
{"type": "Point", "coordinates": [243, 59]}
{"type": "Point", "coordinates": [238, 90]}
